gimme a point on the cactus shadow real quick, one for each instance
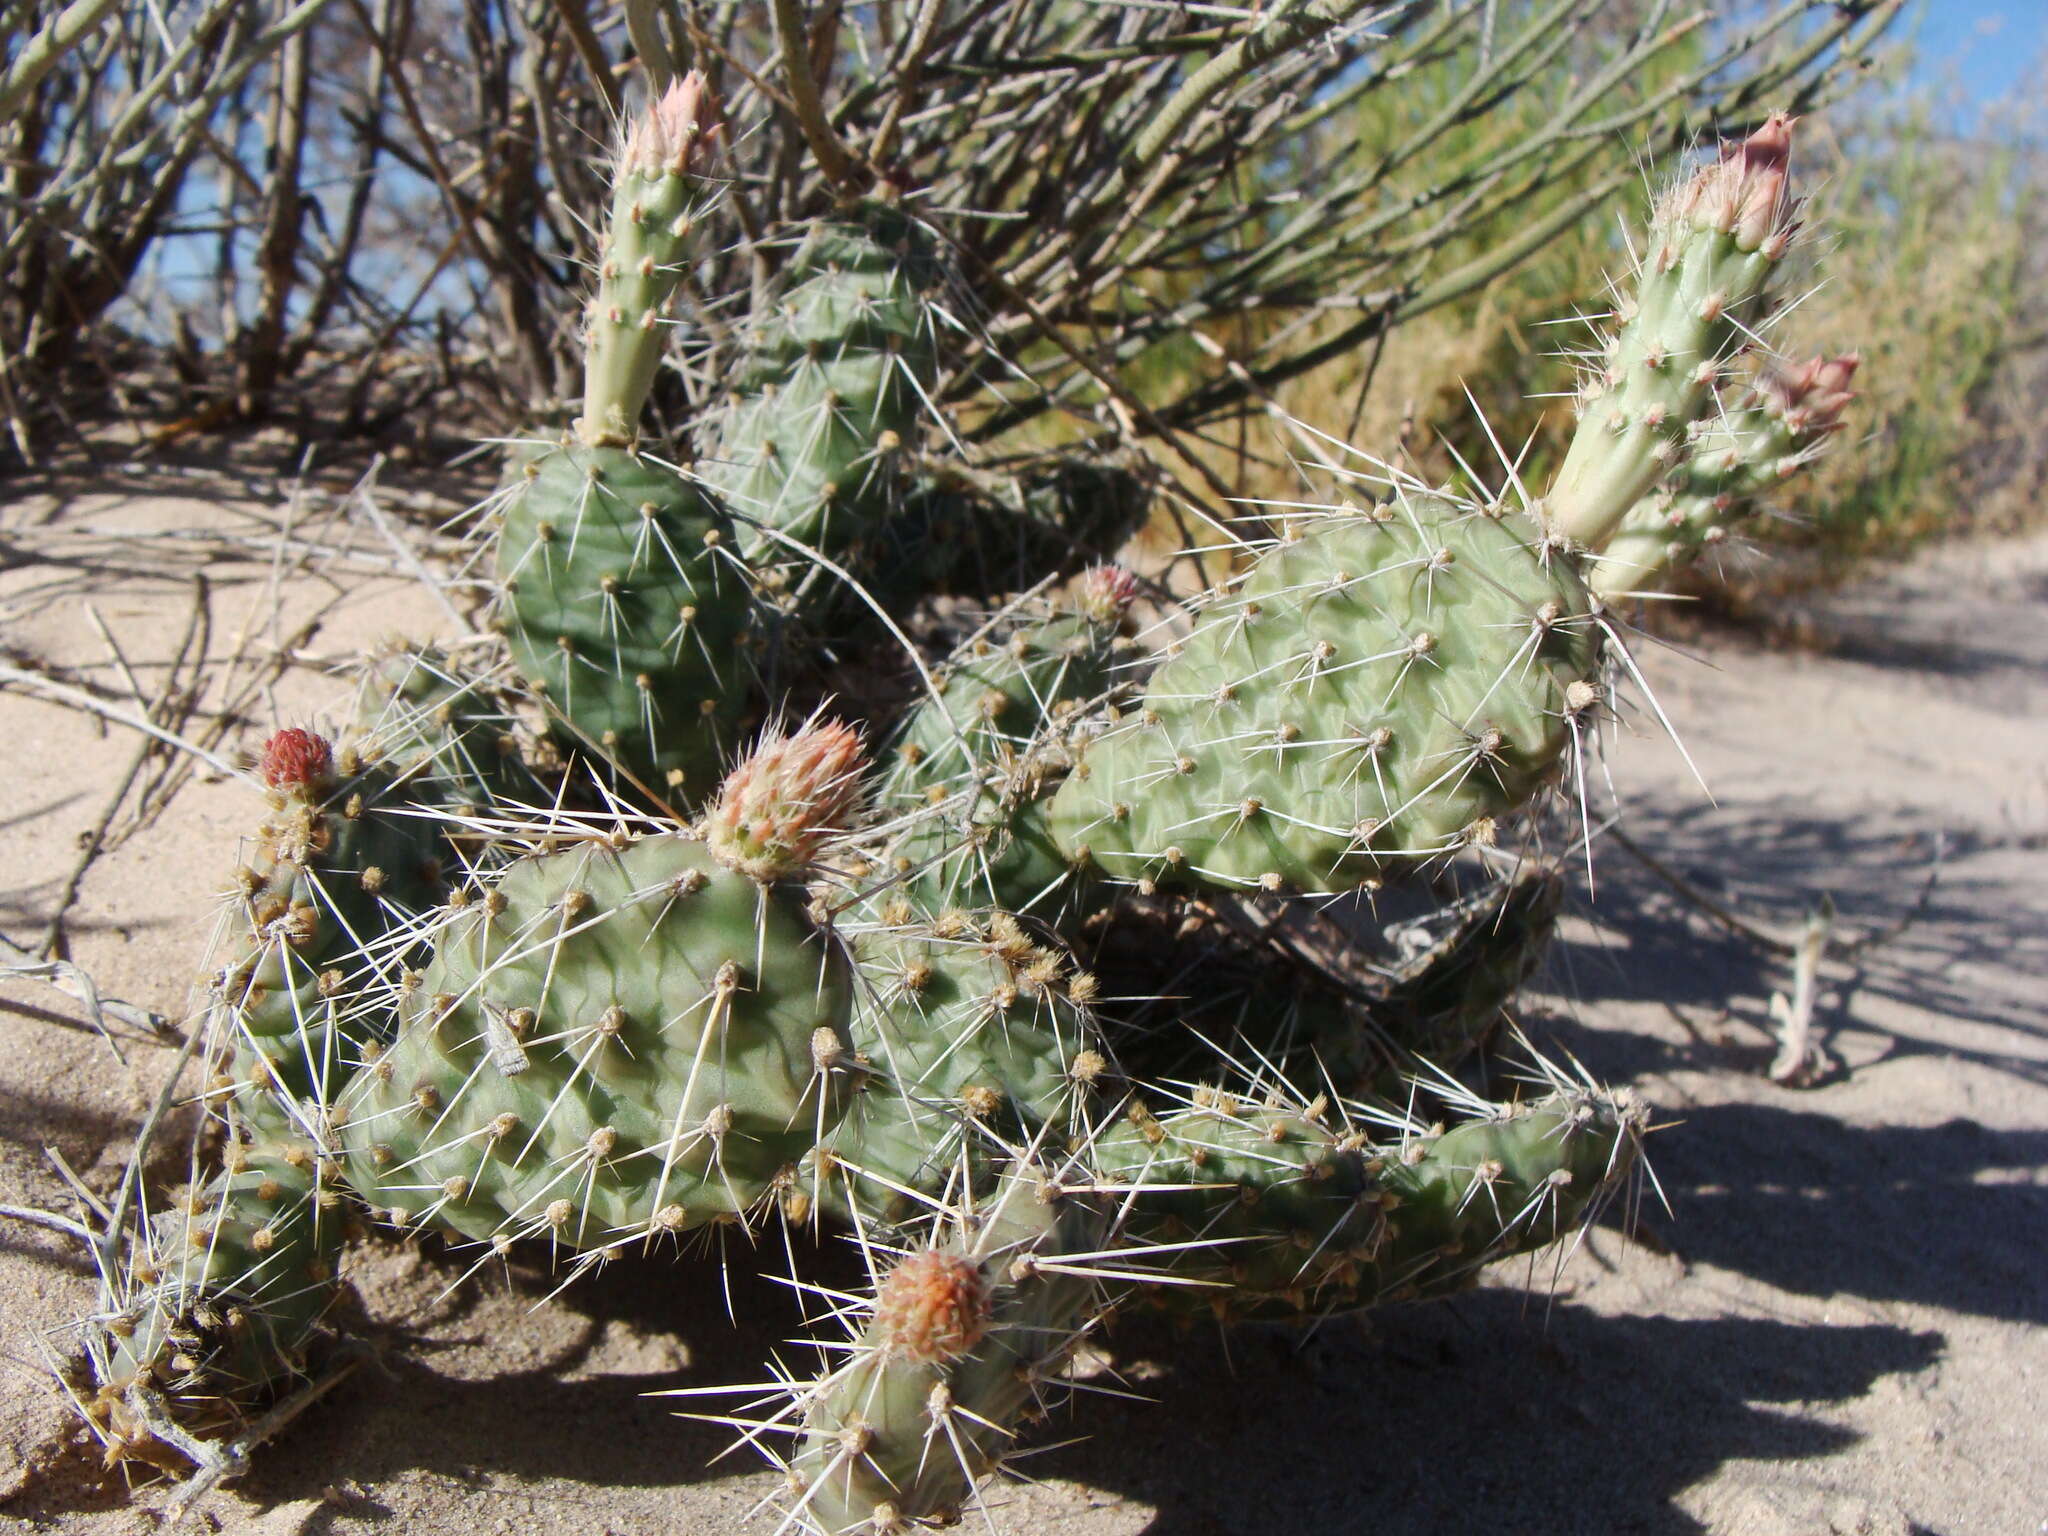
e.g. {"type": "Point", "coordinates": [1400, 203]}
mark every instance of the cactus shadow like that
{"type": "Point", "coordinates": [577, 1408]}
{"type": "Point", "coordinates": [1490, 1413]}
{"type": "Point", "coordinates": [1934, 1214]}
{"type": "Point", "coordinates": [1962, 981]}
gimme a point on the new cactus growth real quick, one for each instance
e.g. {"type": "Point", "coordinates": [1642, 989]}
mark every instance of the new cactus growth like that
{"type": "Point", "coordinates": [1714, 243]}
{"type": "Point", "coordinates": [967, 1330]}
{"type": "Point", "coordinates": [1782, 426]}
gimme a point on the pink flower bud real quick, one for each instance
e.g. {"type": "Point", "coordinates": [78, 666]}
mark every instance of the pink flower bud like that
{"type": "Point", "coordinates": [777, 808]}
{"type": "Point", "coordinates": [1106, 591]}
{"type": "Point", "coordinates": [674, 134]}
{"type": "Point", "coordinates": [1746, 193]}
{"type": "Point", "coordinates": [295, 758]}
{"type": "Point", "coordinates": [1811, 397]}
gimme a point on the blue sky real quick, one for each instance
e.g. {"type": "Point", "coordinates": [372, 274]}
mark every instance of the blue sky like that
{"type": "Point", "coordinates": [1984, 46]}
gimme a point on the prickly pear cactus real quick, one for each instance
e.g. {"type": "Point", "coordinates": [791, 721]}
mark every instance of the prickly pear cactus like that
{"type": "Point", "coordinates": [848, 999]}
{"type": "Point", "coordinates": [972, 764]}
{"type": "Point", "coordinates": [965, 1333]}
{"type": "Point", "coordinates": [625, 1038]}
{"type": "Point", "coordinates": [825, 409]}
{"type": "Point", "coordinates": [449, 734]}
{"type": "Point", "coordinates": [984, 534]}
{"type": "Point", "coordinates": [219, 1302]}
{"type": "Point", "coordinates": [624, 606]}
{"type": "Point", "coordinates": [1380, 691]}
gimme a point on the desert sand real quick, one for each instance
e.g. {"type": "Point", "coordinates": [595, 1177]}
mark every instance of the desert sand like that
{"type": "Point", "coordinates": [1839, 1325]}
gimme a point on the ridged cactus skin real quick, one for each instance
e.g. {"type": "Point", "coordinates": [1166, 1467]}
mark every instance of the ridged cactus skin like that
{"type": "Point", "coordinates": [825, 407]}
{"type": "Point", "coordinates": [970, 768]}
{"type": "Point", "coordinates": [1714, 244]}
{"type": "Point", "coordinates": [1313, 1219]}
{"type": "Point", "coordinates": [224, 1295]}
{"type": "Point", "coordinates": [339, 868]}
{"type": "Point", "coordinates": [614, 1041]}
{"type": "Point", "coordinates": [1379, 691]}
{"type": "Point", "coordinates": [972, 1035]}
{"type": "Point", "coordinates": [1781, 428]}
{"type": "Point", "coordinates": [966, 1334]}
{"type": "Point", "coordinates": [624, 606]}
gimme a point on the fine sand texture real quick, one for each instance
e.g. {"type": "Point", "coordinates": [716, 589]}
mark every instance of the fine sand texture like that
{"type": "Point", "coordinates": [1839, 1325]}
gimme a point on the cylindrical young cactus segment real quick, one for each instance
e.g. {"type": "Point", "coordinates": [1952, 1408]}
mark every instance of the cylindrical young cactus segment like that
{"type": "Point", "coordinates": [1375, 695]}
{"type": "Point", "coordinates": [656, 197]}
{"type": "Point", "coordinates": [1714, 243]}
{"type": "Point", "coordinates": [1736, 461]}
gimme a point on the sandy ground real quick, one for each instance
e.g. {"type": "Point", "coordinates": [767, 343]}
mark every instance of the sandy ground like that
{"type": "Point", "coordinates": [1841, 1326]}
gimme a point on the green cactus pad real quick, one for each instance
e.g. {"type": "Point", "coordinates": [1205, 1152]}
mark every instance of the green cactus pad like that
{"type": "Point", "coordinates": [624, 606]}
{"type": "Point", "coordinates": [222, 1300]}
{"type": "Point", "coordinates": [1307, 1219]}
{"type": "Point", "coordinates": [832, 387]}
{"type": "Point", "coordinates": [974, 1036]}
{"type": "Point", "coordinates": [613, 1041]}
{"type": "Point", "coordinates": [1378, 691]}
{"type": "Point", "coordinates": [971, 767]}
